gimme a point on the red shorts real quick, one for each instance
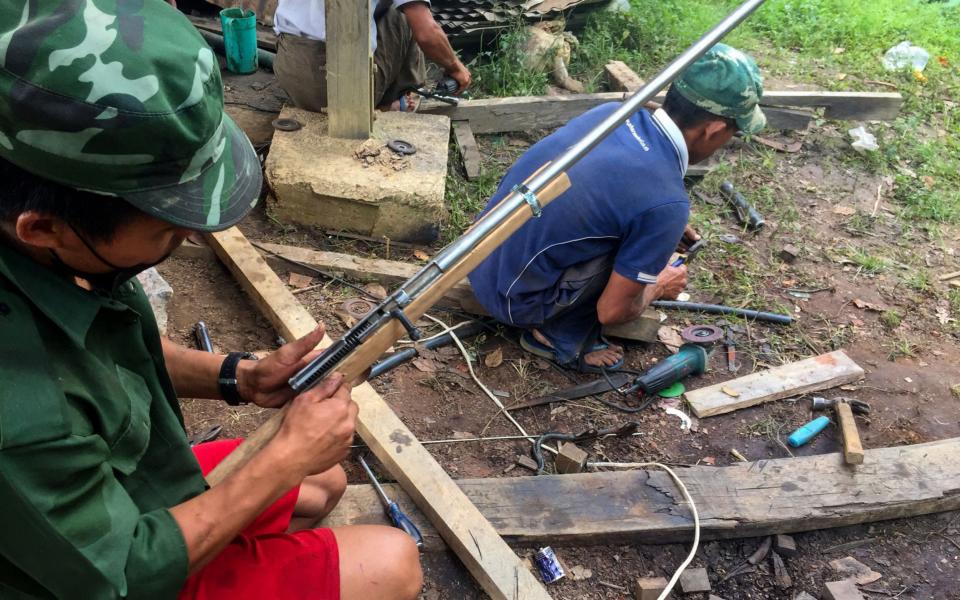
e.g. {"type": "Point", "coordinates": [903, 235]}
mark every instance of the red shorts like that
{"type": "Point", "coordinates": [264, 561]}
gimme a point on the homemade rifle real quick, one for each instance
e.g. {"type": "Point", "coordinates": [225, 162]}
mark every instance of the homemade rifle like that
{"type": "Point", "coordinates": [394, 318]}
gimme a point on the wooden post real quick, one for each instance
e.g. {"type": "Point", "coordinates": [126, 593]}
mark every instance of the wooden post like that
{"type": "Point", "coordinates": [349, 69]}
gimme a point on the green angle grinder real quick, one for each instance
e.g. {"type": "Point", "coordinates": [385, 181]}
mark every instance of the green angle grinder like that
{"type": "Point", "coordinates": [691, 359]}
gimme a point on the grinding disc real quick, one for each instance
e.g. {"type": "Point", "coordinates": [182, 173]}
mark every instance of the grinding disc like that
{"type": "Point", "coordinates": [357, 307]}
{"type": "Point", "coordinates": [702, 334]}
{"type": "Point", "coordinates": [674, 391]}
{"type": "Point", "coordinates": [402, 147]}
{"type": "Point", "coordinates": [286, 124]}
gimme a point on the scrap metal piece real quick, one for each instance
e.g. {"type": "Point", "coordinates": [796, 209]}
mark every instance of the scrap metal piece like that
{"type": "Point", "coordinates": [285, 124]}
{"type": "Point", "coordinates": [702, 335]}
{"type": "Point", "coordinates": [357, 307]}
{"type": "Point", "coordinates": [402, 147]}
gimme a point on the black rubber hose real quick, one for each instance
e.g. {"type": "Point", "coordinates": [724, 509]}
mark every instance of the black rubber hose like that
{"type": "Point", "coordinates": [401, 356]}
{"type": "Point", "coordinates": [718, 309]}
{"type": "Point", "coordinates": [264, 57]}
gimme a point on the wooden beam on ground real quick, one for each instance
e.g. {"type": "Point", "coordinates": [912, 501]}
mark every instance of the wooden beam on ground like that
{"type": "Point", "coordinates": [349, 69]}
{"type": "Point", "coordinates": [744, 500]}
{"type": "Point", "coordinates": [792, 379]}
{"type": "Point", "coordinates": [622, 78]}
{"type": "Point", "coordinates": [642, 329]}
{"type": "Point", "coordinates": [469, 150]}
{"type": "Point", "coordinates": [522, 113]}
{"type": "Point", "coordinates": [386, 272]}
{"type": "Point", "coordinates": [471, 537]}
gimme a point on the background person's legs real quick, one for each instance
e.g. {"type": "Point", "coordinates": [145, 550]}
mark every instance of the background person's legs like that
{"type": "Point", "coordinates": [301, 70]}
{"type": "Point", "coordinates": [399, 61]}
{"type": "Point", "coordinates": [571, 324]}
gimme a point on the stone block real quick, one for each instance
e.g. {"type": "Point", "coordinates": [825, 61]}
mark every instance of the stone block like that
{"type": "Point", "coordinates": [841, 590]}
{"type": "Point", "coordinates": [320, 181]}
{"type": "Point", "coordinates": [571, 459]}
{"type": "Point", "coordinates": [785, 545]}
{"type": "Point", "coordinates": [694, 580]}
{"type": "Point", "coordinates": [649, 588]}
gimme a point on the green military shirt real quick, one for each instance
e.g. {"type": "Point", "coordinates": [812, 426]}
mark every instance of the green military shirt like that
{"type": "Point", "coordinates": [93, 451]}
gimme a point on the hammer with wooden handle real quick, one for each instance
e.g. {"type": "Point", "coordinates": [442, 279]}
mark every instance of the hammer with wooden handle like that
{"type": "Point", "coordinates": [845, 407]}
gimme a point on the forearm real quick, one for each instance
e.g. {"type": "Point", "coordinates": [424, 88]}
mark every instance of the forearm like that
{"type": "Point", "coordinates": [435, 45]}
{"type": "Point", "coordinates": [194, 373]}
{"type": "Point", "coordinates": [211, 520]}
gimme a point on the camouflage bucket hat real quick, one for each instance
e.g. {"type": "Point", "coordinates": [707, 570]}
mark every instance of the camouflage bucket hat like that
{"type": "Point", "coordinates": [726, 82]}
{"type": "Point", "coordinates": [123, 98]}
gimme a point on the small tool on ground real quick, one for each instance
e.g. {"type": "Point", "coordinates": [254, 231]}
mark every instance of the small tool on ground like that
{"type": "Point", "coordinates": [701, 335]}
{"type": "Point", "coordinates": [844, 408]}
{"type": "Point", "coordinates": [746, 213]}
{"type": "Point", "coordinates": [202, 336]}
{"type": "Point", "coordinates": [693, 248]}
{"type": "Point", "coordinates": [397, 516]}
{"type": "Point", "coordinates": [691, 359]}
{"type": "Point", "coordinates": [807, 432]}
{"type": "Point", "coordinates": [733, 365]}
{"type": "Point", "coordinates": [443, 91]}
{"type": "Point", "coordinates": [624, 429]}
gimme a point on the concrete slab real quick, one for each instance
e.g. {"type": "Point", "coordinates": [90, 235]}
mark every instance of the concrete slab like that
{"type": "Point", "coordinates": [320, 181]}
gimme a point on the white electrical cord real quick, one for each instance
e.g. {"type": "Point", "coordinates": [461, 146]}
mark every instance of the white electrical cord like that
{"type": "Point", "coordinates": [689, 500]}
{"type": "Point", "coordinates": [486, 390]}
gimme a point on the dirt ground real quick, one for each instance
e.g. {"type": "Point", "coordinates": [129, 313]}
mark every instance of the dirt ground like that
{"type": "Point", "coordinates": [909, 389]}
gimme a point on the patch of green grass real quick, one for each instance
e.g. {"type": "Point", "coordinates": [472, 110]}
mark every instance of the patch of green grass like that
{"type": "Point", "coordinates": [901, 347]}
{"type": "Point", "coordinates": [501, 72]}
{"type": "Point", "coordinates": [890, 319]}
{"type": "Point", "coordinates": [465, 199]}
{"type": "Point", "coordinates": [870, 263]}
{"type": "Point", "coordinates": [919, 280]}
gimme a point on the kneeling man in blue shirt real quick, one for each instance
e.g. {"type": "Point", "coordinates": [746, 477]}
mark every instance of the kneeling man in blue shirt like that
{"type": "Point", "coordinates": [598, 255]}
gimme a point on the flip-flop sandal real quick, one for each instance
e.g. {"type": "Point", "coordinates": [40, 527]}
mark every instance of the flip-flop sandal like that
{"type": "Point", "coordinates": [541, 350]}
{"type": "Point", "coordinates": [536, 348]}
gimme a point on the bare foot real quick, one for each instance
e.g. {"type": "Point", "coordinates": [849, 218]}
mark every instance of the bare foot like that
{"type": "Point", "coordinates": [606, 357]}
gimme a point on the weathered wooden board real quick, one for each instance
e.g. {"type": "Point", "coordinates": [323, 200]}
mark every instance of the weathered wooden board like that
{"type": "Point", "coordinates": [469, 150]}
{"type": "Point", "coordinates": [387, 272]}
{"type": "Point", "coordinates": [809, 375]}
{"type": "Point", "coordinates": [523, 113]}
{"type": "Point", "coordinates": [471, 537]}
{"type": "Point", "coordinates": [349, 69]}
{"type": "Point", "coordinates": [642, 329]}
{"type": "Point", "coordinates": [744, 500]}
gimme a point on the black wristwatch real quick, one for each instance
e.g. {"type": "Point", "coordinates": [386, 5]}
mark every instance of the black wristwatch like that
{"type": "Point", "coordinates": [228, 377]}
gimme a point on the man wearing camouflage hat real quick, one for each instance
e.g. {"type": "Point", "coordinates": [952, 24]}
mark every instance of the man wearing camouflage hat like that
{"type": "Point", "coordinates": [598, 255]}
{"type": "Point", "coordinates": [114, 146]}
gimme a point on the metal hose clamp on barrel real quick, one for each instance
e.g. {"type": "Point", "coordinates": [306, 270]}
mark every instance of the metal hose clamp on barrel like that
{"type": "Point", "coordinates": [531, 199]}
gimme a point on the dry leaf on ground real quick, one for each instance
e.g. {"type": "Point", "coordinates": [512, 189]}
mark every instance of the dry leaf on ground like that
{"type": "Point", "coordinates": [494, 359]}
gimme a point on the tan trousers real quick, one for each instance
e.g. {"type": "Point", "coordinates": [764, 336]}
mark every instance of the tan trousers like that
{"type": "Point", "coordinates": [301, 65]}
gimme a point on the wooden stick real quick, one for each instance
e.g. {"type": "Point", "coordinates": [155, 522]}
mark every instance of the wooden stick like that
{"type": "Point", "coordinates": [852, 446]}
{"type": "Point", "coordinates": [494, 565]}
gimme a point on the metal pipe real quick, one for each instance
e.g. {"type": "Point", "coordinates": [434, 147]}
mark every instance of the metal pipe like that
{"type": "Point", "coordinates": [505, 208]}
{"type": "Point", "coordinates": [401, 356]}
{"type": "Point", "coordinates": [719, 309]}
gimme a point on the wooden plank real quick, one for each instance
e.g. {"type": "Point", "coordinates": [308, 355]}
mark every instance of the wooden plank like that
{"type": "Point", "coordinates": [817, 373]}
{"type": "Point", "coordinates": [469, 150]}
{"type": "Point", "coordinates": [471, 537]}
{"type": "Point", "coordinates": [642, 329]}
{"type": "Point", "coordinates": [349, 69]}
{"type": "Point", "coordinates": [852, 446]}
{"type": "Point", "coordinates": [522, 113]}
{"type": "Point", "coordinates": [622, 78]}
{"type": "Point", "coordinates": [743, 500]}
{"type": "Point", "coordinates": [387, 272]}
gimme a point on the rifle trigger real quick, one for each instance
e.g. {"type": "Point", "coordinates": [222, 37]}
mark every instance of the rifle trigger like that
{"type": "Point", "coordinates": [412, 330]}
{"type": "Point", "coordinates": [531, 199]}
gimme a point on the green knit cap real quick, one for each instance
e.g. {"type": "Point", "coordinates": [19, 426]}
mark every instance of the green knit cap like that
{"type": "Point", "coordinates": [123, 98]}
{"type": "Point", "coordinates": [726, 82]}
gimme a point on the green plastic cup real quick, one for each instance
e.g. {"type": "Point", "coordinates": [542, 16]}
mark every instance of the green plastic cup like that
{"type": "Point", "coordinates": [240, 39]}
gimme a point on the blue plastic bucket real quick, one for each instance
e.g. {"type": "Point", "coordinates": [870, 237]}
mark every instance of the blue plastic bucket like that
{"type": "Point", "coordinates": [240, 39]}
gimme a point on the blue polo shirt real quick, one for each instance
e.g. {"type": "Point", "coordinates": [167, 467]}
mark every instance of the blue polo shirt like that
{"type": "Point", "coordinates": [626, 200]}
